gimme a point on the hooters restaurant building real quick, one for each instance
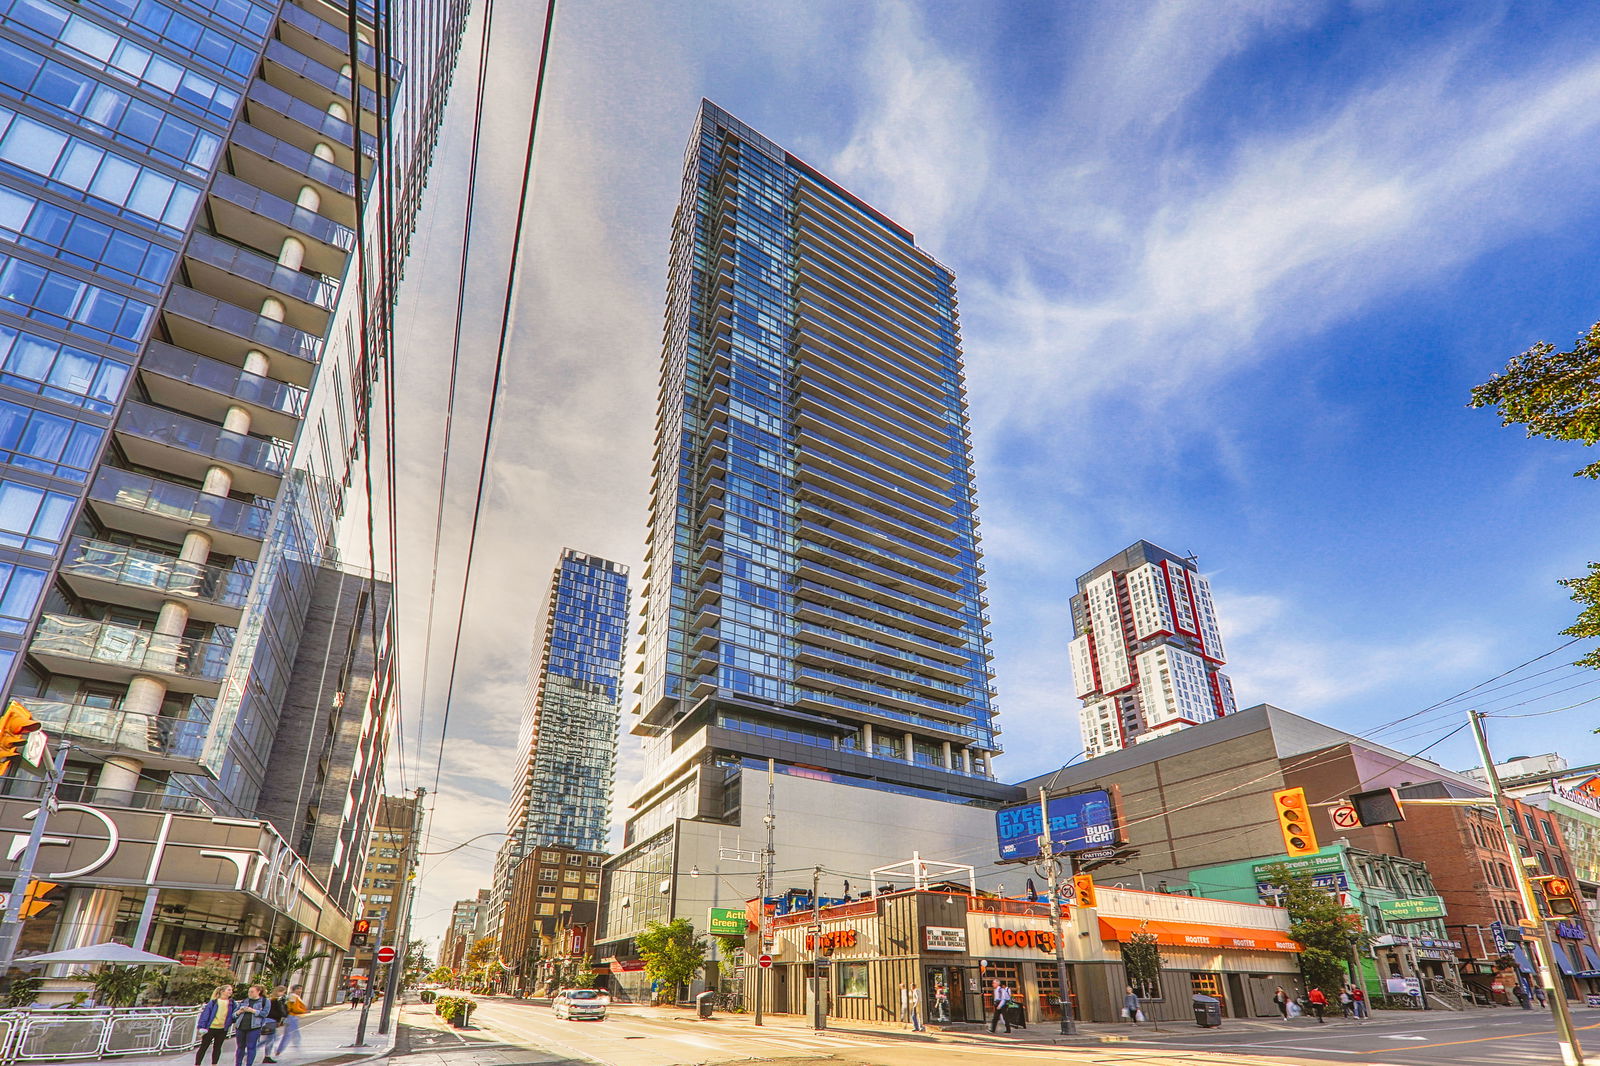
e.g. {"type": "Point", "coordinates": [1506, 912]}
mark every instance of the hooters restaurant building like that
{"type": "Point", "coordinates": [952, 948]}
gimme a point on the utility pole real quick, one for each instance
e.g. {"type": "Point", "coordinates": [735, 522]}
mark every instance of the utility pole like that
{"type": "Point", "coordinates": [763, 886]}
{"type": "Point", "coordinates": [11, 926]}
{"type": "Point", "coordinates": [1571, 1052]}
{"type": "Point", "coordinates": [819, 1010]}
{"type": "Point", "coordinates": [402, 923]}
{"type": "Point", "coordinates": [1069, 1027]}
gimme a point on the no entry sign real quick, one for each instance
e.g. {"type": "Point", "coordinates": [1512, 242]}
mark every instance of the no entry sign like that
{"type": "Point", "coordinates": [386, 954]}
{"type": "Point", "coordinates": [765, 962]}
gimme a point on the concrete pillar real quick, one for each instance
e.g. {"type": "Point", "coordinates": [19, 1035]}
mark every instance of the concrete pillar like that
{"type": "Point", "coordinates": [256, 362]}
{"type": "Point", "coordinates": [292, 254]}
{"type": "Point", "coordinates": [966, 760]}
{"type": "Point", "coordinates": [273, 308]}
{"type": "Point", "coordinates": [911, 753]}
{"type": "Point", "coordinates": [866, 737]}
{"type": "Point", "coordinates": [309, 198]}
{"type": "Point", "coordinates": [339, 111]}
{"type": "Point", "coordinates": [324, 152]}
{"type": "Point", "coordinates": [218, 482]}
{"type": "Point", "coordinates": [237, 420]}
{"type": "Point", "coordinates": [119, 776]}
{"type": "Point", "coordinates": [89, 916]}
{"type": "Point", "coordinates": [948, 761]}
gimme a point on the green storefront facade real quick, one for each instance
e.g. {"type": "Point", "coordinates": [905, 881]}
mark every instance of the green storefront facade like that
{"type": "Point", "coordinates": [1369, 884]}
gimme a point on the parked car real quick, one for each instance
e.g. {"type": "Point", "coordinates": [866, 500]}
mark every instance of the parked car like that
{"type": "Point", "coordinates": [577, 1003]}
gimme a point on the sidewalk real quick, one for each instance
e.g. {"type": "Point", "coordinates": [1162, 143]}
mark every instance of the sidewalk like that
{"type": "Point", "coordinates": [325, 1036]}
{"type": "Point", "coordinates": [1043, 1033]}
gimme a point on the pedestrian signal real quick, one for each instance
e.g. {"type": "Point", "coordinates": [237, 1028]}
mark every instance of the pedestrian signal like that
{"type": "Point", "coordinates": [361, 932]}
{"type": "Point", "coordinates": [1559, 896]}
{"type": "Point", "coordinates": [1294, 822]}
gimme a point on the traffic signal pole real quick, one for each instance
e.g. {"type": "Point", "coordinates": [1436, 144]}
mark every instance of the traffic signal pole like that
{"type": "Point", "coordinates": [403, 921]}
{"type": "Point", "coordinates": [372, 986]}
{"type": "Point", "coordinates": [1571, 1052]}
{"type": "Point", "coordinates": [11, 926]}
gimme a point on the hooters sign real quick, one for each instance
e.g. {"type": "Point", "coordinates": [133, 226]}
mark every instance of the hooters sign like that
{"type": "Point", "coordinates": [1041, 940]}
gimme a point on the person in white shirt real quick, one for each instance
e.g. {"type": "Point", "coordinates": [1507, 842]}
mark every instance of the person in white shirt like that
{"type": "Point", "coordinates": [1002, 1002]}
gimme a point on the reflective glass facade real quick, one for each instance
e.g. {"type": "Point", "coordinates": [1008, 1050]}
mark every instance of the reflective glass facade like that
{"type": "Point", "coordinates": [178, 189]}
{"type": "Point", "coordinates": [814, 572]}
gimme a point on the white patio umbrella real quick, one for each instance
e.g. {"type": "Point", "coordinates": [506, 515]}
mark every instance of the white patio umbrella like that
{"type": "Point", "coordinates": [119, 954]}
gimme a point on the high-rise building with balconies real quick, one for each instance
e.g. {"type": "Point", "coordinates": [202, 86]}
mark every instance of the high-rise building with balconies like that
{"type": "Point", "coordinates": [567, 743]}
{"type": "Point", "coordinates": [181, 367]}
{"type": "Point", "coordinates": [813, 592]}
{"type": "Point", "coordinates": [1146, 654]}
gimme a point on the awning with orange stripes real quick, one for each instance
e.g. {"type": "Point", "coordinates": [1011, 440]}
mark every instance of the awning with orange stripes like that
{"type": "Point", "coordinates": [1195, 935]}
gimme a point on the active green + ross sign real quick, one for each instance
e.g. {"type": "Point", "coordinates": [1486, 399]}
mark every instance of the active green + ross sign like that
{"type": "Point", "coordinates": [1411, 910]}
{"type": "Point", "coordinates": [725, 921]}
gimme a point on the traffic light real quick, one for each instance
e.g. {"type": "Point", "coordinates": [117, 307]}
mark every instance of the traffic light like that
{"type": "Point", "coordinates": [1559, 896]}
{"type": "Point", "coordinates": [15, 725]}
{"type": "Point", "coordinates": [1083, 890]}
{"type": "Point", "coordinates": [1381, 806]}
{"type": "Point", "coordinates": [33, 900]}
{"type": "Point", "coordinates": [1294, 822]}
{"type": "Point", "coordinates": [360, 932]}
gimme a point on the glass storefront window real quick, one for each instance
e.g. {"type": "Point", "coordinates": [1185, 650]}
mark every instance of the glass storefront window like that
{"type": "Point", "coordinates": [852, 978]}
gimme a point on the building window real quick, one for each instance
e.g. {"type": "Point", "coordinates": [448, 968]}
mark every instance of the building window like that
{"type": "Point", "coordinates": [594, 860]}
{"type": "Point", "coordinates": [547, 875]}
{"type": "Point", "coordinates": [550, 856]}
{"type": "Point", "coordinates": [852, 979]}
{"type": "Point", "coordinates": [571, 876]}
{"type": "Point", "coordinates": [547, 908]}
{"type": "Point", "coordinates": [574, 860]}
{"type": "Point", "coordinates": [570, 893]}
{"type": "Point", "coordinates": [592, 878]}
{"type": "Point", "coordinates": [591, 893]}
{"type": "Point", "coordinates": [1549, 831]}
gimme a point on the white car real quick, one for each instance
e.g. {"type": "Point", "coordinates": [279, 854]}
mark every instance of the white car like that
{"type": "Point", "coordinates": [577, 1003]}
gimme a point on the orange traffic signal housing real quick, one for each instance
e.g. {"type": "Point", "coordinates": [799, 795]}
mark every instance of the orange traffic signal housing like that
{"type": "Point", "coordinates": [1083, 890]}
{"type": "Point", "coordinates": [15, 725]}
{"type": "Point", "coordinates": [1294, 822]}
{"type": "Point", "coordinates": [1559, 896]}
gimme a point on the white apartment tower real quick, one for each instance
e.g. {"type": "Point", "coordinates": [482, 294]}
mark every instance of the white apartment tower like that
{"type": "Point", "coordinates": [1147, 656]}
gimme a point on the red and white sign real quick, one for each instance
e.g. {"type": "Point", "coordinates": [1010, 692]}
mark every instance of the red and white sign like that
{"type": "Point", "coordinates": [386, 954]}
{"type": "Point", "coordinates": [765, 962]}
{"type": "Point", "coordinates": [1344, 817]}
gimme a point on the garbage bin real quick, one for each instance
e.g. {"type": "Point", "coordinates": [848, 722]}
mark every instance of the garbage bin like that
{"type": "Point", "coordinates": [704, 1002]}
{"type": "Point", "coordinates": [1207, 1011]}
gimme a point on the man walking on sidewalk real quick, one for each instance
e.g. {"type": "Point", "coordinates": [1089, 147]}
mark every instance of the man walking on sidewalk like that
{"type": "Point", "coordinates": [1002, 1002]}
{"type": "Point", "coordinates": [1319, 1004]}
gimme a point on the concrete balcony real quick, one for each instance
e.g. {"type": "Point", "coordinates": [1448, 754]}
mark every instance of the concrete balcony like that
{"type": "Point", "coordinates": [165, 440]}
{"type": "Point", "coordinates": [188, 382]}
{"type": "Point", "coordinates": [283, 169]}
{"type": "Point", "coordinates": [228, 332]}
{"type": "Point", "coordinates": [138, 577]}
{"type": "Point", "coordinates": [149, 507]}
{"type": "Point", "coordinates": [244, 276]}
{"type": "Point", "coordinates": [158, 741]}
{"type": "Point", "coordinates": [252, 216]}
{"type": "Point", "coordinates": [326, 43]}
{"type": "Point", "coordinates": [306, 79]}
{"type": "Point", "coordinates": [83, 647]}
{"type": "Point", "coordinates": [289, 118]}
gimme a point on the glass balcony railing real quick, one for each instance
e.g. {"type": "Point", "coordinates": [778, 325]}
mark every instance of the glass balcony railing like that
{"type": "Point", "coordinates": [139, 650]}
{"type": "Point", "coordinates": [245, 262]}
{"type": "Point", "coordinates": [317, 73]}
{"type": "Point", "coordinates": [953, 635]}
{"type": "Point", "coordinates": [159, 572]}
{"type": "Point", "coordinates": [192, 507]}
{"type": "Point", "coordinates": [302, 220]}
{"type": "Point", "coordinates": [144, 734]}
{"type": "Point", "coordinates": [331, 35]}
{"type": "Point", "coordinates": [920, 640]}
{"type": "Point", "coordinates": [224, 378]}
{"type": "Point", "coordinates": [877, 589]}
{"type": "Point", "coordinates": [845, 703]}
{"type": "Point", "coordinates": [820, 676]}
{"type": "Point", "coordinates": [309, 116]}
{"type": "Point", "coordinates": [295, 158]}
{"type": "Point", "coordinates": [187, 303]}
{"type": "Point", "coordinates": [212, 441]}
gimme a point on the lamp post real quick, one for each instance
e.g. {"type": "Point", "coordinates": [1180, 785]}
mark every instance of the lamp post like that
{"type": "Point", "coordinates": [1069, 1027]}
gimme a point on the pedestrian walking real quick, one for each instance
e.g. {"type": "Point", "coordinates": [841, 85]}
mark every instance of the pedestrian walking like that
{"type": "Point", "coordinates": [289, 1029]}
{"type": "Point", "coordinates": [1002, 1001]}
{"type": "Point", "coordinates": [277, 1013]}
{"type": "Point", "coordinates": [1319, 1004]}
{"type": "Point", "coordinates": [215, 1017]}
{"type": "Point", "coordinates": [1130, 1005]}
{"type": "Point", "coordinates": [1281, 998]}
{"type": "Point", "coordinates": [1538, 991]}
{"type": "Point", "coordinates": [1523, 999]}
{"type": "Point", "coordinates": [1358, 996]}
{"type": "Point", "coordinates": [248, 1022]}
{"type": "Point", "coordinates": [1346, 1004]}
{"type": "Point", "coordinates": [911, 1006]}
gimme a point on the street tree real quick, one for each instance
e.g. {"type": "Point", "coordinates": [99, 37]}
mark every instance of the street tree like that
{"type": "Point", "coordinates": [1556, 395]}
{"type": "Point", "coordinates": [1142, 960]}
{"type": "Point", "coordinates": [1326, 931]}
{"type": "Point", "coordinates": [672, 954]}
{"type": "Point", "coordinates": [479, 954]}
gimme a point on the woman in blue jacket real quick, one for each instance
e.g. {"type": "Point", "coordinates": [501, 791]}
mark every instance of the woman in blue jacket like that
{"type": "Point", "coordinates": [215, 1017]}
{"type": "Point", "coordinates": [249, 1023]}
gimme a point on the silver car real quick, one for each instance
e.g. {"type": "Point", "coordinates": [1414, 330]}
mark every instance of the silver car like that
{"type": "Point", "coordinates": [574, 1004]}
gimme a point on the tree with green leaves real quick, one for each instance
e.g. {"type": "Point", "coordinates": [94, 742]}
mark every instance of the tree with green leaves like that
{"type": "Point", "coordinates": [284, 960]}
{"type": "Point", "coordinates": [672, 955]}
{"type": "Point", "coordinates": [1142, 960]}
{"type": "Point", "coordinates": [417, 964]}
{"type": "Point", "coordinates": [480, 954]}
{"type": "Point", "coordinates": [1556, 395]}
{"type": "Point", "coordinates": [1325, 930]}
{"type": "Point", "coordinates": [441, 975]}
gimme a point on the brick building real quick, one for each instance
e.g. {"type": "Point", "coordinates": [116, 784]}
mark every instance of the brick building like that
{"type": "Point", "coordinates": [550, 915]}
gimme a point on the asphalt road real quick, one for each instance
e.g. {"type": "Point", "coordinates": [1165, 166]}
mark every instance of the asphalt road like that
{"type": "Point", "coordinates": [513, 1034]}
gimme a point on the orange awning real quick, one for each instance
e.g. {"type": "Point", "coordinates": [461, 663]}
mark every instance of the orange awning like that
{"type": "Point", "coordinates": [1195, 935]}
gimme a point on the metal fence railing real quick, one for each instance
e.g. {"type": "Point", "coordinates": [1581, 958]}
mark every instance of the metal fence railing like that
{"type": "Point", "coordinates": [96, 1033]}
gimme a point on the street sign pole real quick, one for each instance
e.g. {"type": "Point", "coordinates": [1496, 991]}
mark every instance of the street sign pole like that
{"type": "Point", "coordinates": [1567, 1037]}
{"type": "Point", "coordinates": [11, 926]}
{"type": "Point", "coordinates": [372, 986]}
{"type": "Point", "coordinates": [819, 1009]}
{"type": "Point", "coordinates": [1069, 1027]}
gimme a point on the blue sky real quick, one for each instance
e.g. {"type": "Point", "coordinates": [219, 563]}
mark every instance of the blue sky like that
{"type": "Point", "coordinates": [1227, 274]}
